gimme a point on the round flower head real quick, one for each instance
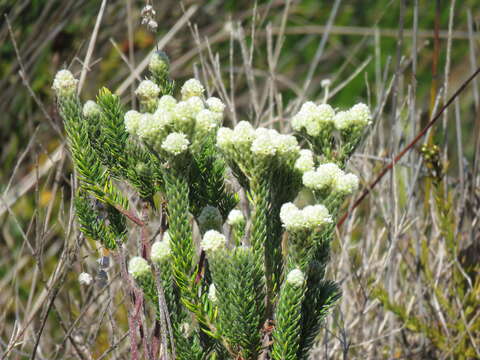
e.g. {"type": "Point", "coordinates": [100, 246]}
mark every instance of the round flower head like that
{"type": "Point", "coordinates": [224, 138]}
{"type": "Point", "coordinates": [316, 215]}
{"type": "Point", "coordinates": [265, 144]}
{"type": "Point", "coordinates": [298, 121]}
{"type": "Point", "coordinates": [343, 120]}
{"type": "Point", "coordinates": [147, 90]}
{"type": "Point", "coordinates": [85, 278]}
{"type": "Point", "coordinates": [184, 111]}
{"type": "Point", "coordinates": [196, 104]}
{"type": "Point", "coordinates": [304, 162]}
{"type": "Point", "coordinates": [323, 177]}
{"type": "Point", "coordinates": [149, 128]}
{"type": "Point", "coordinates": [235, 218]}
{"type": "Point", "coordinates": [161, 251]}
{"type": "Point", "coordinates": [91, 109]}
{"type": "Point", "coordinates": [175, 143]}
{"type": "Point", "coordinates": [64, 83]}
{"type": "Point", "coordinates": [159, 63]}
{"type": "Point", "coordinates": [213, 241]}
{"type": "Point", "coordinates": [317, 117]}
{"type": "Point", "coordinates": [346, 184]}
{"type": "Point", "coordinates": [291, 217]}
{"type": "Point", "coordinates": [132, 120]}
{"type": "Point", "coordinates": [207, 120]}
{"type": "Point", "coordinates": [210, 218]}
{"type": "Point", "coordinates": [138, 267]}
{"type": "Point", "coordinates": [212, 293]}
{"type": "Point", "coordinates": [286, 144]}
{"type": "Point", "coordinates": [295, 278]}
{"type": "Point", "coordinates": [163, 117]}
{"type": "Point", "coordinates": [361, 114]}
{"type": "Point", "coordinates": [192, 87]}
{"type": "Point", "coordinates": [215, 104]}
{"type": "Point", "coordinates": [167, 102]}
{"type": "Point", "coordinates": [243, 133]}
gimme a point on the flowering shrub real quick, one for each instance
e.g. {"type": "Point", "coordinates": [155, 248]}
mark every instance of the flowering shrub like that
{"type": "Point", "coordinates": [262, 288]}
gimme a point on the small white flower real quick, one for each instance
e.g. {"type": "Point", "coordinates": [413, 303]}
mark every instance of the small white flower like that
{"type": "Point", "coordinates": [196, 104]}
{"type": "Point", "coordinates": [343, 120]}
{"type": "Point", "coordinates": [147, 90]}
{"type": "Point", "coordinates": [243, 133]}
{"type": "Point", "coordinates": [207, 120]}
{"type": "Point", "coordinates": [175, 143]}
{"type": "Point", "coordinates": [85, 278]}
{"type": "Point", "coordinates": [167, 102]}
{"type": "Point", "coordinates": [346, 184]}
{"type": "Point", "coordinates": [185, 111]}
{"type": "Point", "coordinates": [325, 83]}
{"type": "Point", "coordinates": [291, 217]}
{"type": "Point", "coordinates": [295, 278]}
{"type": "Point", "coordinates": [361, 114]}
{"type": "Point", "coordinates": [235, 217]}
{"type": "Point", "coordinates": [313, 117]}
{"type": "Point", "coordinates": [148, 127]}
{"type": "Point", "coordinates": [323, 177]}
{"type": "Point", "coordinates": [316, 215]}
{"type": "Point", "coordinates": [161, 250]}
{"type": "Point", "coordinates": [215, 104]}
{"type": "Point", "coordinates": [132, 120]}
{"type": "Point", "coordinates": [305, 162]}
{"type": "Point", "coordinates": [210, 218]}
{"type": "Point", "coordinates": [192, 87]}
{"type": "Point", "coordinates": [64, 83]}
{"type": "Point", "coordinates": [265, 144]}
{"type": "Point", "coordinates": [213, 241]}
{"type": "Point", "coordinates": [138, 267]}
{"type": "Point", "coordinates": [286, 144]}
{"type": "Point", "coordinates": [212, 293]}
{"type": "Point", "coordinates": [224, 138]}
{"type": "Point", "coordinates": [158, 63]}
{"type": "Point", "coordinates": [91, 109]}
{"type": "Point", "coordinates": [163, 117]}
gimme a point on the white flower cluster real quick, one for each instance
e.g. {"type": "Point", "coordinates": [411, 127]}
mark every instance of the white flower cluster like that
{"type": "Point", "coordinates": [190, 88]}
{"type": "Point", "coordinates": [147, 90]}
{"type": "Point", "coordinates": [359, 115]}
{"type": "Point", "coordinates": [330, 176]}
{"type": "Point", "coordinates": [158, 63]}
{"type": "Point", "coordinates": [138, 267]}
{"type": "Point", "coordinates": [161, 250]}
{"type": "Point", "coordinates": [261, 142]}
{"type": "Point", "coordinates": [64, 83]}
{"type": "Point", "coordinates": [172, 126]}
{"type": "Point", "coordinates": [235, 217]}
{"type": "Point", "coordinates": [305, 162]}
{"type": "Point", "coordinates": [295, 278]}
{"type": "Point", "coordinates": [91, 109]}
{"type": "Point", "coordinates": [313, 118]}
{"type": "Point", "coordinates": [175, 143]}
{"type": "Point", "coordinates": [213, 241]}
{"type": "Point", "coordinates": [310, 217]}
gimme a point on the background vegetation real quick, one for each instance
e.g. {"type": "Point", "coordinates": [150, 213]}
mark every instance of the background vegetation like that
{"type": "Point", "coordinates": [407, 258]}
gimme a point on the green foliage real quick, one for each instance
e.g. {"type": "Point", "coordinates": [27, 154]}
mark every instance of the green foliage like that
{"type": "Point", "coordinates": [226, 303]}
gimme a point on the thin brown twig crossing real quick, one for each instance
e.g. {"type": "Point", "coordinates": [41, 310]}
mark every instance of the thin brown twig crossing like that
{"type": "Point", "coordinates": [408, 147]}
